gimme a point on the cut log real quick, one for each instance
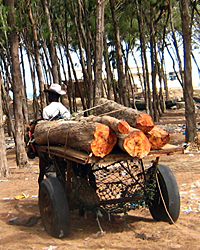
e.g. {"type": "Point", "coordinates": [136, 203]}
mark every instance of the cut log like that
{"type": "Point", "coordinates": [158, 137]}
{"type": "Point", "coordinates": [117, 125]}
{"type": "Point", "coordinates": [135, 143]}
{"type": "Point", "coordinates": [134, 118]}
{"type": "Point", "coordinates": [91, 137]}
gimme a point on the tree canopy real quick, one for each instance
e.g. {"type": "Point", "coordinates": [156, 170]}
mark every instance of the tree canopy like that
{"type": "Point", "coordinates": [102, 35]}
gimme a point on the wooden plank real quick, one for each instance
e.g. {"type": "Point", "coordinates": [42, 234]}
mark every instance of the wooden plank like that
{"type": "Point", "coordinates": [65, 153]}
{"type": "Point", "coordinates": [115, 156]}
{"type": "Point", "coordinates": [168, 149]}
{"type": "Point", "coordinates": [81, 156]}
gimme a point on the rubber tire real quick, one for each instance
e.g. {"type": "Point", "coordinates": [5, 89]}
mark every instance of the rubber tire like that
{"type": "Point", "coordinates": [170, 193]}
{"type": "Point", "coordinates": [54, 208]}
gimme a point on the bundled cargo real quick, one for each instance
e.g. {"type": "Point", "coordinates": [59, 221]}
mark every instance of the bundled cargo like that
{"type": "Point", "coordinates": [92, 137]}
{"type": "Point", "coordinates": [121, 127]}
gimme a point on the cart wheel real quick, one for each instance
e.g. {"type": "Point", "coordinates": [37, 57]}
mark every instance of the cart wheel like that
{"type": "Point", "coordinates": [54, 208]}
{"type": "Point", "coordinates": [169, 189]}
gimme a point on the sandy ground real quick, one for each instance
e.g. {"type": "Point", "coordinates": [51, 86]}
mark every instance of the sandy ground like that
{"type": "Point", "coordinates": [140, 230]}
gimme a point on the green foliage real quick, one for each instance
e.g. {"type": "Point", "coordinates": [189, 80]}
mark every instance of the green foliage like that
{"type": "Point", "coordinates": [63, 14]}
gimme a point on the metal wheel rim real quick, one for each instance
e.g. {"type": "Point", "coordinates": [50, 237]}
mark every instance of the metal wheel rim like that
{"type": "Point", "coordinates": [47, 213]}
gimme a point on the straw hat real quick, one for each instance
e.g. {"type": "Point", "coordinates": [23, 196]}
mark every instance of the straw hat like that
{"type": "Point", "coordinates": [55, 88]}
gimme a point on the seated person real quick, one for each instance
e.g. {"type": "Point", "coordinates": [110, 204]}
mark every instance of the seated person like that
{"type": "Point", "coordinates": [55, 108]}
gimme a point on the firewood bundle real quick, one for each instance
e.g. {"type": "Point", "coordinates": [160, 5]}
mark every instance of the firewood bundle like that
{"type": "Point", "coordinates": [157, 136]}
{"type": "Point", "coordinates": [92, 137]}
{"type": "Point", "coordinates": [127, 129]}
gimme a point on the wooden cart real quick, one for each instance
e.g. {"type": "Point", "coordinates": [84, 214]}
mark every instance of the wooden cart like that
{"type": "Point", "coordinates": [71, 179]}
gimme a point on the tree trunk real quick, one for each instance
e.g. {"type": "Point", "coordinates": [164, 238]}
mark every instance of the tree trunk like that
{"type": "Point", "coordinates": [87, 38]}
{"type": "Point", "coordinates": [70, 66]}
{"type": "Point", "coordinates": [37, 57]}
{"type": "Point", "coordinates": [121, 76]}
{"type": "Point", "coordinates": [8, 111]}
{"type": "Point", "coordinates": [92, 137]}
{"type": "Point", "coordinates": [36, 109]}
{"type": "Point", "coordinates": [21, 156]}
{"type": "Point", "coordinates": [176, 46]}
{"type": "Point", "coordinates": [4, 168]}
{"type": "Point", "coordinates": [109, 77]}
{"type": "Point", "coordinates": [134, 118]}
{"type": "Point", "coordinates": [191, 133]}
{"type": "Point", "coordinates": [146, 80]}
{"type": "Point", "coordinates": [82, 61]}
{"type": "Point", "coordinates": [52, 50]}
{"type": "Point", "coordinates": [24, 94]}
{"type": "Point", "coordinates": [99, 47]}
{"type": "Point", "coordinates": [153, 64]}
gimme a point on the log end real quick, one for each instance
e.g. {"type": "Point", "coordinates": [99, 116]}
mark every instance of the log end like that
{"type": "Point", "coordinates": [137, 144]}
{"type": "Point", "coordinates": [123, 127]}
{"type": "Point", "coordinates": [158, 137]}
{"type": "Point", "coordinates": [144, 122]}
{"type": "Point", "coordinates": [105, 140]}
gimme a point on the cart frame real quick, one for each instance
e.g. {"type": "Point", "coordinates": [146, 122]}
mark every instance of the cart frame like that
{"type": "Point", "coordinates": [126, 185]}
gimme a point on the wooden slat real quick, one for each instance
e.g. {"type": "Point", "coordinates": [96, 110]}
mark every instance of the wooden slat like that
{"type": "Point", "coordinates": [84, 158]}
{"type": "Point", "coordinates": [168, 149]}
{"type": "Point", "coordinates": [66, 153]}
{"type": "Point", "coordinates": [81, 156]}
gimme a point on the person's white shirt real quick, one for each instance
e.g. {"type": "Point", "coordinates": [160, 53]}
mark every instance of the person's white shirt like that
{"type": "Point", "coordinates": [54, 109]}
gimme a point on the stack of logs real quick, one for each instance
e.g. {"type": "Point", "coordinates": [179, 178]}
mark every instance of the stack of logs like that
{"type": "Point", "coordinates": [113, 125]}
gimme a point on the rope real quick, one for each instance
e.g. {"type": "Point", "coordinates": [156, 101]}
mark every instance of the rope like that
{"type": "Point", "coordinates": [164, 201]}
{"type": "Point", "coordinates": [66, 138]}
{"type": "Point", "coordinates": [48, 143]}
{"type": "Point", "coordinates": [167, 209]}
{"type": "Point", "coordinates": [99, 214]}
{"type": "Point", "coordinates": [113, 111]}
{"type": "Point", "coordinates": [81, 112]}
